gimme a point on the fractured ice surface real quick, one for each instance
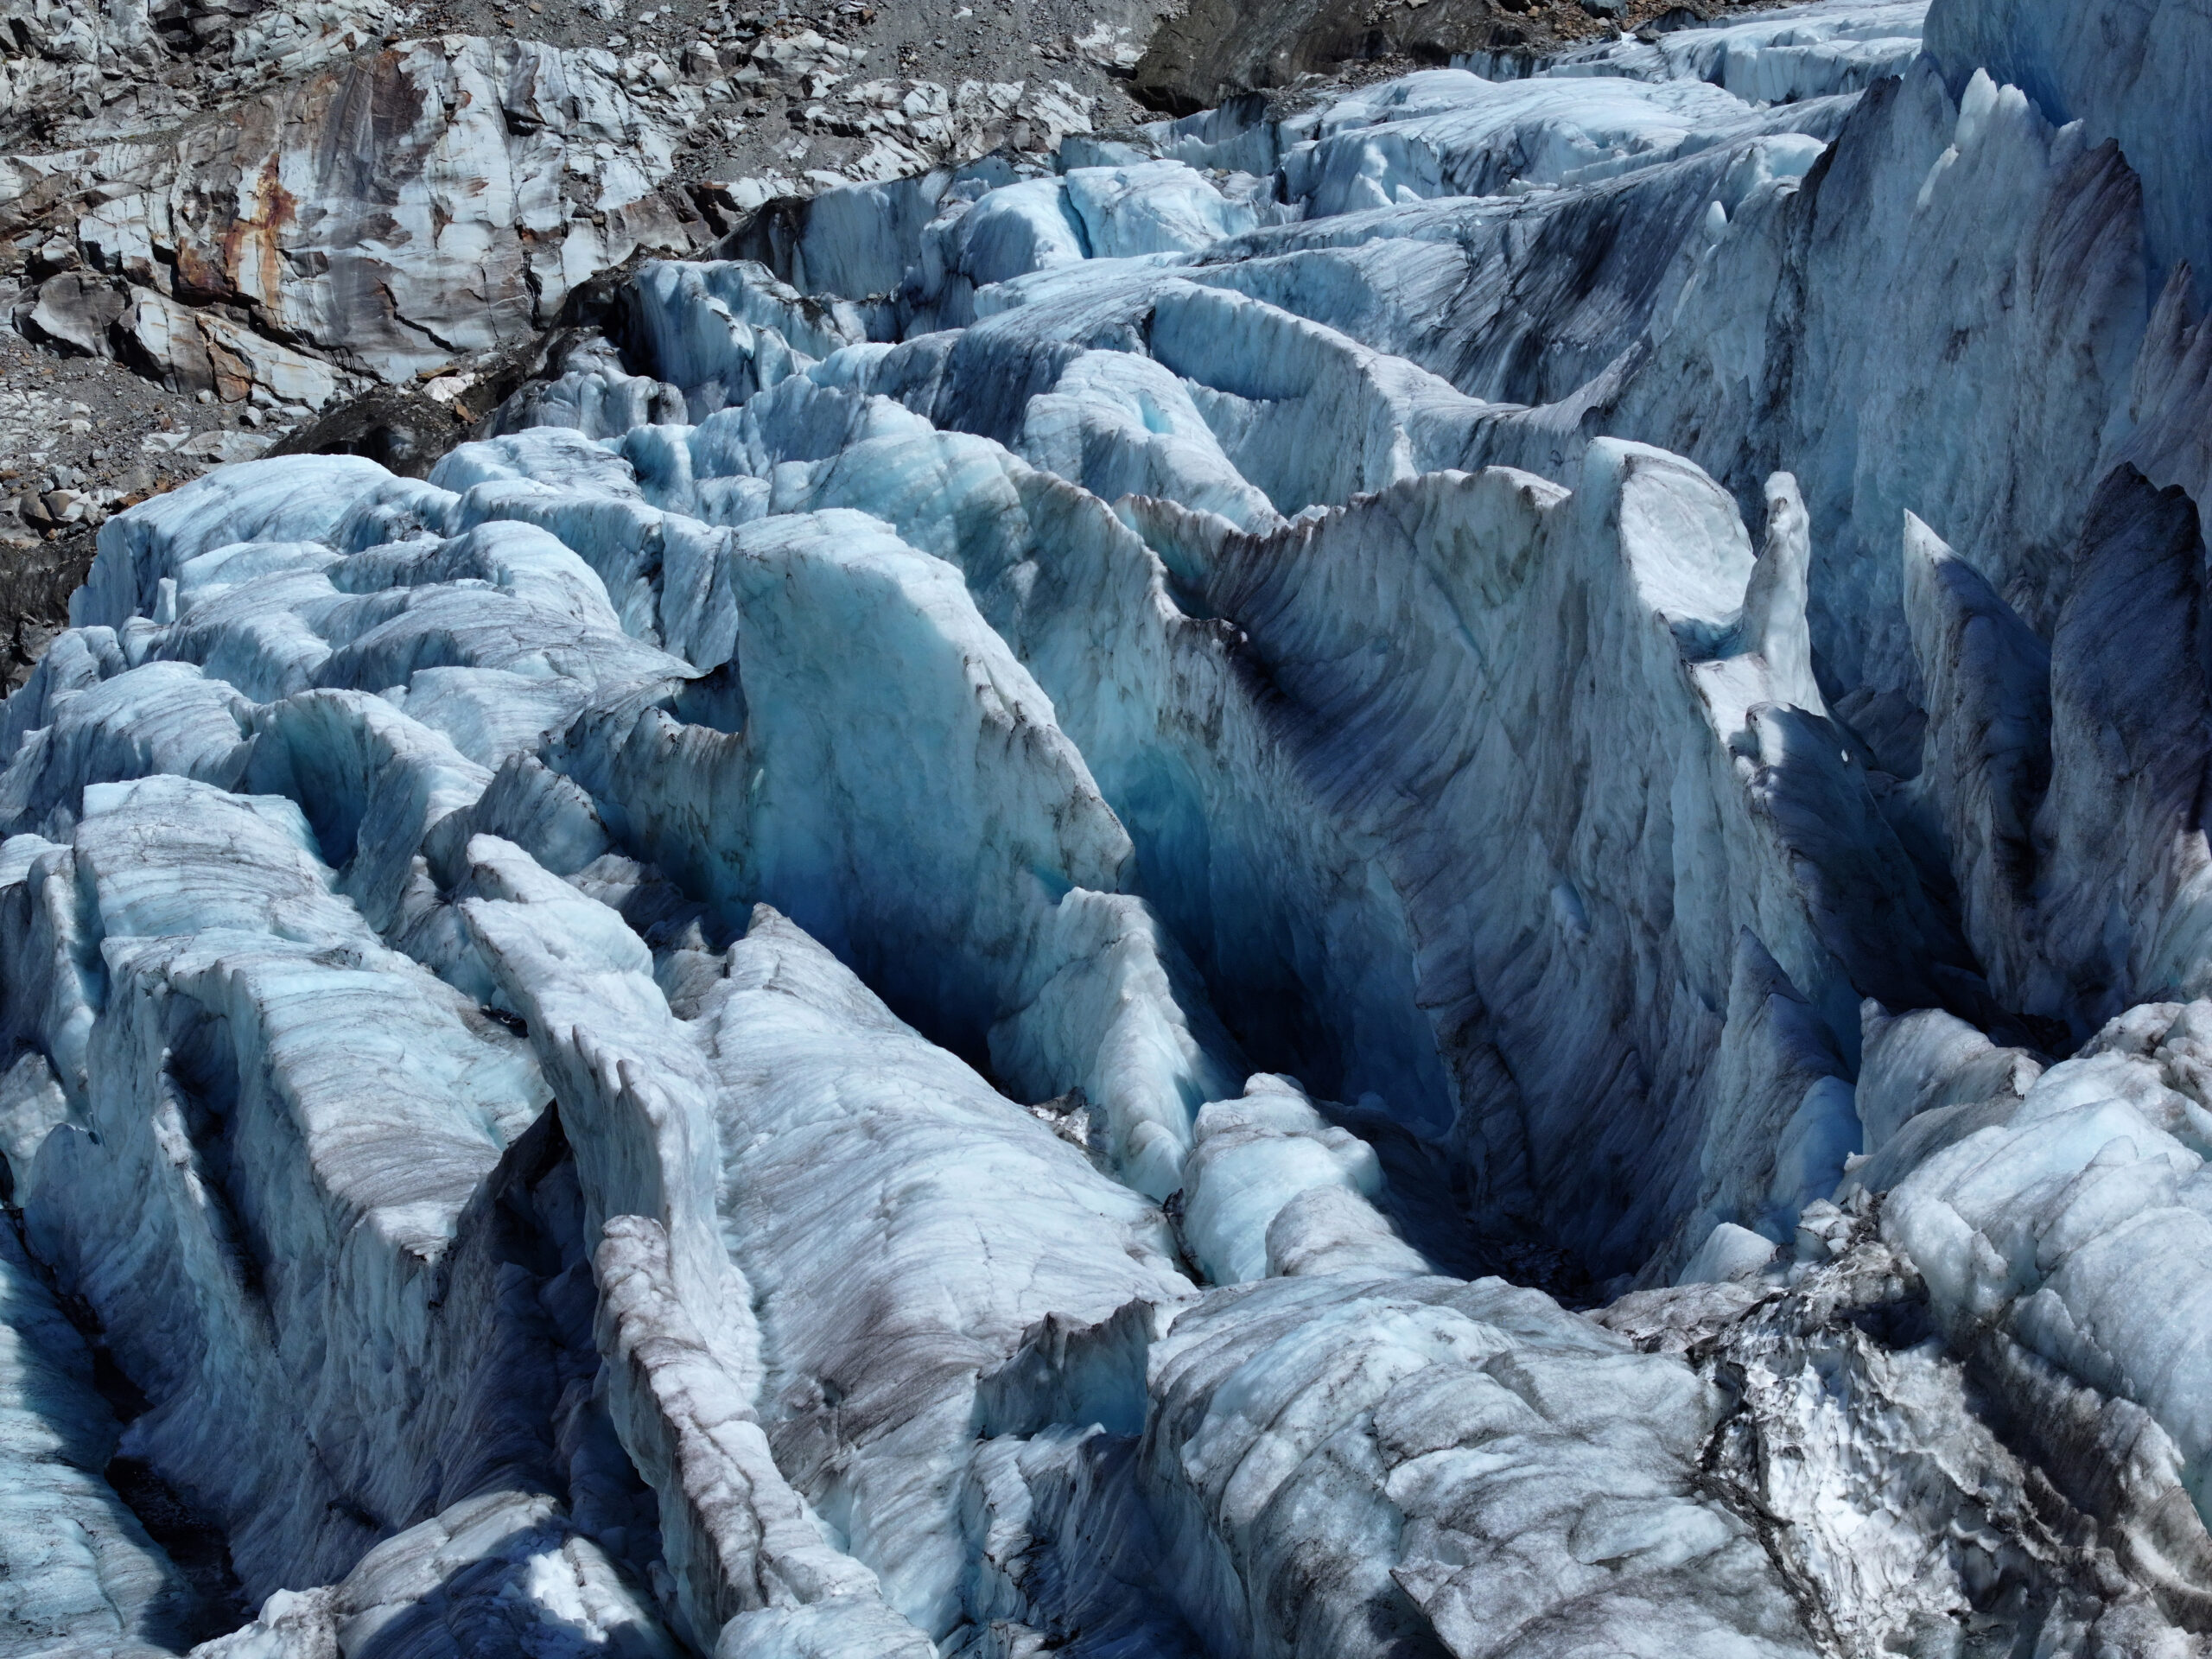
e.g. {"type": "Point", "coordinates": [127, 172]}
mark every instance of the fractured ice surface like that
{"type": "Point", "coordinates": [903, 971]}
{"type": "Point", "coordinates": [1806, 51]}
{"type": "Point", "coordinates": [2113, 66]}
{"type": "Point", "coordinates": [81, 1576]}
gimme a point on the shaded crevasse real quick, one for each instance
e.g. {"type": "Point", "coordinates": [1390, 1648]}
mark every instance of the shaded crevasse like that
{"type": "Point", "coordinates": [727, 1426]}
{"type": "Point", "coordinates": [205, 1058]}
{"type": "Point", "coordinates": [379, 783]}
{"type": "Point", "coordinates": [1516, 894]}
{"type": "Point", "coordinates": [81, 1570]}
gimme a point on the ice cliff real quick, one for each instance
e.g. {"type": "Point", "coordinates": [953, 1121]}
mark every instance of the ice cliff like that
{"type": "Point", "coordinates": [1422, 876]}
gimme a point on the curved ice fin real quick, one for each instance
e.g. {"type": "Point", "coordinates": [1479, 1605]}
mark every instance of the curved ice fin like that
{"type": "Point", "coordinates": [1774, 624]}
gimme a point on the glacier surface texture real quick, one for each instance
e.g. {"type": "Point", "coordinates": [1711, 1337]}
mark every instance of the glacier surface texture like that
{"type": "Point", "coordinates": [1420, 874]}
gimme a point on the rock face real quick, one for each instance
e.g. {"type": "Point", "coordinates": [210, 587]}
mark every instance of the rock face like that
{"type": "Point", "coordinates": [1418, 875]}
{"type": "Point", "coordinates": [1214, 48]}
{"type": "Point", "coordinates": [1207, 52]}
{"type": "Point", "coordinates": [392, 214]}
{"type": "Point", "coordinates": [354, 224]}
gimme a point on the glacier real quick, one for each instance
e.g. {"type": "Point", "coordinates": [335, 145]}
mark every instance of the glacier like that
{"type": "Point", "coordinates": [1415, 873]}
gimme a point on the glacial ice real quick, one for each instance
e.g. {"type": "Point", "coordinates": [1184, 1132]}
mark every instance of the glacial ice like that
{"type": "Point", "coordinates": [501, 1573]}
{"type": "Point", "coordinates": [2114, 66]}
{"type": "Point", "coordinates": [902, 971]}
{"type": "Point", "coordinates": [81, 1571]}
{"type": "Point", "coordinates": [1778, 57]}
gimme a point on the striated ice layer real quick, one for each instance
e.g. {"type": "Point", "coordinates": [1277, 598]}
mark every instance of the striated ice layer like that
{"type": "Point", "coordinates": [1775, 57]}
{"type": "Point", "coordinates": [1500, 1476]}
{"type": "Point", "coordinates": [1421, 875]}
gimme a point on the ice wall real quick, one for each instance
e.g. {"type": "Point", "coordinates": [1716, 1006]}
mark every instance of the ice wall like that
{"type": "Point", "coordinates": [2122, 68]}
